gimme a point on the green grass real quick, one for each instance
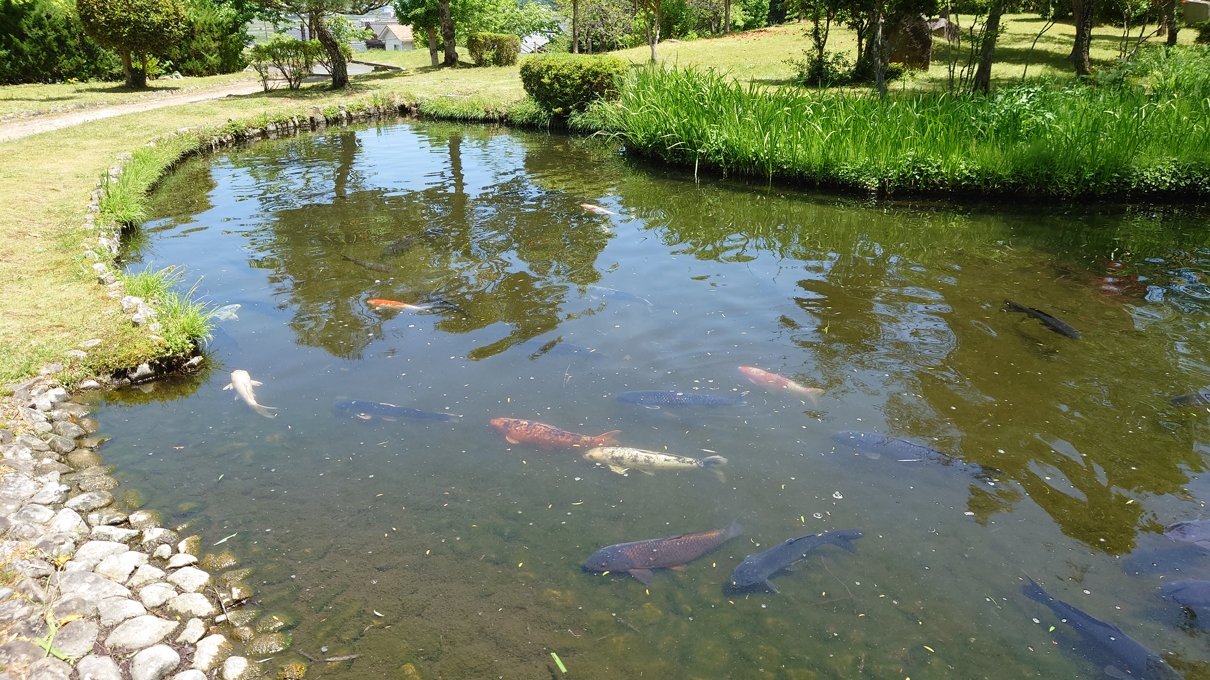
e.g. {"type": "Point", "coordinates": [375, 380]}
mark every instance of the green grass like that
{"type": "Point", "coordinates": [184, 322]}
{"type": "Point", "coordinates": [24, 100]}
{"type": "Point", "coordinates": [1068, 142]}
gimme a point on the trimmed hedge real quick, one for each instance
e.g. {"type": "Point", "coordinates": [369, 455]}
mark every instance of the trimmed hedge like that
{"type": "Point", "coordinates": [494, 49]}
{"type": "Point", "coordinates": [563, 83]}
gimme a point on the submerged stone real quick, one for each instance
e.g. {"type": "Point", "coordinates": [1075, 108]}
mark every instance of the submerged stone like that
{"type": "Point", "coordinates": [223, 560]}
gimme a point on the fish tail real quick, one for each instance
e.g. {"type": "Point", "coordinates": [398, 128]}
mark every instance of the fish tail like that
{"type": "Point", "coordinates": [1015, 306]}
{"type": "Point", "coordinates": [264, 410]}
{"type": "Point", "coordinates": [1034, 591]}
{"type": "Point", "coordinates": [721, 477]}
{"type": "Point", "coordinates": [733, 530]}
{"type": "Point", "coordinates": [606, 439]}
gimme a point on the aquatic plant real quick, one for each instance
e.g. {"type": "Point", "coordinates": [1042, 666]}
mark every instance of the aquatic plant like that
{"type": "Point", "coordinates": [1072, 141]}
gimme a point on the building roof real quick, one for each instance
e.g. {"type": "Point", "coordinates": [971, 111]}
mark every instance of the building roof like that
{"type": "Point", "coordinates": [396, 31]}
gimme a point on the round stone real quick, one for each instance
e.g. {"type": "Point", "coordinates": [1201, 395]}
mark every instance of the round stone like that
{"type": "Point", "coordinates": [154, 663]}
{"type": "Point", "coordinates": [268, 643]}
{"type": "Point", "coordinates": [223, 560]}
{"type": "Point", "coordinates": [101, 483]}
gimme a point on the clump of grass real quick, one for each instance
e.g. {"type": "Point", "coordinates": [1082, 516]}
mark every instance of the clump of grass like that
{"type": "Point", "coordinates": [184, 322]}
{"type": "Point", "coordinates": [1073, 141]}
{"type": "Point", "coordinates": [468, 109]}
{"type": "Point", "coordinates": [123, 201]}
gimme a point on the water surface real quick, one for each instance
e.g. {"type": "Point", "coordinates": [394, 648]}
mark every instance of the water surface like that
{"type": "Point", "coordinates": [441, 545]}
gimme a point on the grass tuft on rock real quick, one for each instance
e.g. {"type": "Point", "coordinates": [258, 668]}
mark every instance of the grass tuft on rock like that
{"type": "Point", "coordinates": [184, 322]}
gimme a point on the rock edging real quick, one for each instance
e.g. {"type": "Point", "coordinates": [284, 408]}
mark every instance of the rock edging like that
{"type": "Point", "coordinates": [108, 592]}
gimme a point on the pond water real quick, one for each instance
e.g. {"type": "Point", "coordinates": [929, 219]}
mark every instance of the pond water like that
{"type": "Point", "coordinates": [437, 543]}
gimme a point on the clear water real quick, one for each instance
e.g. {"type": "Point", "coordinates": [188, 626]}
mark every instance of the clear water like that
{"type": "Point", "coordinates": [441, 545]}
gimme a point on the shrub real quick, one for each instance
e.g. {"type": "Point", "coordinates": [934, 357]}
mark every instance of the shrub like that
{"type": "Point", "coordinates": [834, 69]}
{"type": "Point", "coordinates": [563, 83]}
{"type": "Point", "coordinates": [42, 42]}
{"type": "Point", "coordinates": [214, 40]}
{"type": "Point", "coordinates": [1203, 32]}
{"type": "Point", "coordinates": [494, 49]}
{"type": "Point", "coordinates": [292, 58]}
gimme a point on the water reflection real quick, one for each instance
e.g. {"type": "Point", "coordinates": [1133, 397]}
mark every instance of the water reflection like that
{"type": "Point", "coordinates": [894, 310]}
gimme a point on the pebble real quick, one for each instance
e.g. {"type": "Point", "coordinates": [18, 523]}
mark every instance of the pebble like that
{"type": "Point", "coordinates": [237, 668]}
{"type": "Point", "coordinates": [95, 667]}
{"type": "Point", "coordinates": [77, 638]}
{"type": "Point", "coordinates": [194, 630]}
{"type": "Point", "coordinates": [181, 560]}
{"type": "Point", "coordinates": [144, 575]}
{"type": "Point", "coordinates": [115, 610]}
{"type": "Point", "coordinates": [107, 516]}
{"type": "Point", "coordinates": [156, 536]}
{"type": "Point", "coordinates": [189, 546]}
{"type": "Point", "coordinates": [105, 532]}
{"type": "Point", "coordinates": [191, 604]}
{"type": "Point", "coordinates": [90, 501]}
{"type": "Point", "coordinates": [190, 579]}
{"type": "Point", "coordinates": [156, 594]}
{"type": "Point", "coordinates": [144, 519]}
{"type": "Point", "coordinates": [49, 668]}
{"type": "Point", "coordinates": [118, 568]}
{"type": "Point", "coordinates": [139, 632]}
{"type": "Point", "coordinates": [90, 587]}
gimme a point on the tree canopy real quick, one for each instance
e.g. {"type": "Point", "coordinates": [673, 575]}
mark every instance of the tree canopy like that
{"type": "Point", "coordinates": [133, 28]}
{"type": "Point", "coordinates": [318, 14]}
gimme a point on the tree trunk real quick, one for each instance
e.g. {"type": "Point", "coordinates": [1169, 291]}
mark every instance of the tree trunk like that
{"type": "Point", "coordinates": [991, 30]}
{"type": "Point", "coordinates": [575, 26]}
{"type": "Point", "coordinates": [1170, 21]}
{"type": "Point", "coordinates": [127, 69]}
{"type": "Point", "coordinates": [726, 16]}
{"type": "Point", "coordinates": [139, 75]}
{"type": "Point", "coordinates": [340, 70]}
{"type": "Point", "coordinates": [879, 50]}
{"type": "Point", "coordinates": [654, 35]}
{"type": "Point", "coordinates": [1084, 11]}
{"type": "Point", "coordinates": [447, 32]}
{"type": "Point", "coordinates": [433, 45]}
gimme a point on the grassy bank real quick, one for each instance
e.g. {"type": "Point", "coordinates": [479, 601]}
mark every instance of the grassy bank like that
{"type": "Point", "coordinates": [26, 100]}
{"type": "Point", "coordinates": [1069, 142]}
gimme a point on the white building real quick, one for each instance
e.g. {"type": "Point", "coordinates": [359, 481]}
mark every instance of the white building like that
{"type": "Point", "coordinates": [396, 37]}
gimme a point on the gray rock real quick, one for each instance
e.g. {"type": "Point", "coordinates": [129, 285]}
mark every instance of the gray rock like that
{"type": "Point", "coordinates": [98, 483]}
{"type": "Point", "coordinates": [89, 586]}
{"type": "Point", "coordinates": [69, 429]}
{"type": "Point", "coordinates": [68, 521]}
{"type": "Point", "coordinates": [73, 605]}
{"type": "Point", "coordinates": [191, 604]}
{"type": "Point", "coordinates": [89, 425]}
{"type": "Point", "coordinates": [33, 568]}
{"type": "Point", "coordinates": [156, 536]}
{"type": "Point", "coordinates": [181, 560]}
{"type": "Point", "coordinates": [118, 567]}
{"type": "Point", "coordinates": [156, 594]}
{"type": "Point", "coordinates": [20, 652]}
{"type": "Point", "coordinates": [31, 415]}
{"type": "Point", "coordinates": [115, 610]}
{"type": "Point", "coordinates": [25, 531]}
{"type": "Point", "coordinates": [162, 551]}
{"type": "Point", "coordinates": [34, 514]}
{"type": "Point", "coordinates": [14, 609]}
{"type": "Point", "coordinates": [130, 303]}
{"type": "Point", "coordinates": [144, 519]}
{"type": "Point", "coordinates": [49, 668]}
{"type": "Point", "coordinates": [90, 385]}
{"type": "Point", "coordinates": [94, 667]}
{"type": "Point", "coordinates": [189, 545]}
{"type": "Point", "coordinates": [106, 517]}
{"type": "Point", "coordinates": [143, 371]}
{"type": "Point", "coordinates": [17, 486]}
{"type": "Point", "coordinates": [31, 589]}
{"type": "Point", "coordinates": [144, 575]}
{"type": "Point", "coordinates": [110, 533]}
{"type": "Point", "coordinates": [42, 428]}
{"type": "Point", "coordinates": [57, 394]}
{"type": "Point", "coordinates": [191, 674]}
{"type": "Point", "coordinates": [31, 443]}
{"type": "Point", "coordinates": [238, 668]}
{"type": "Point", "coordinates": [92, 552]}
{"type": "Point", "coordinates": [61, 444]}
{"type": "Point", "coordinates": [90, 501]}
{"type": "Point", "coordinates": [57, 545]}
{"type": "Point", "coordinates": [211, 651]}
{"type": "Point", "coordinates": [88, 344]}
{"type": "Point", "coordinates": [139, 632]}
{"type": "Point", "coordinates": [190, 579]}
{"type": "Point", "coordinates": [194, 630]}
{"type": "Point", "coordinates": [6, 436]}
{"type": "Point", "coordinates": [77, 637]}
{"type": "Point", "coordinates": [154, 663]}
{"type": "Point", "coordinates": [51, 494]}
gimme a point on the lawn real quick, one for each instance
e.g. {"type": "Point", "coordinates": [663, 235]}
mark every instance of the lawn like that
{"type": "Point", "coordinates": [24, 100]}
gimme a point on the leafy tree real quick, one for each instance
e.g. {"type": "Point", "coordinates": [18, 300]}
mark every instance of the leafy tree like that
{"type": "Point", "coordinates": [1083, 14]}
{"type": "Point", "coordinates": [214, 39]}
{"type": "Point", "coordinates": [42, 42]}
{"type": "Point", "coordinates": [318, 14]}
{"type": "Point", "coordinates": [134, 29]}
{"type": "Point", "coordinates": [422, 15]}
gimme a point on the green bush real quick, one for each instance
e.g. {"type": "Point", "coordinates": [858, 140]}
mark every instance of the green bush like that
{"type": "Point", "coordinates": [291, 58]}
{"type": "Point", "coordinates": [833, 70]}
{"type": "Point", "coordinates": [494, 49]}
{"type": "Point", "coordinates": [43, 42]}
{"type": "Point", "coordinates": [563, 83]}
{"type": "Point", "coordinates": [214, 40]}
{"type": "Point", "coordinates": [1203, 32]}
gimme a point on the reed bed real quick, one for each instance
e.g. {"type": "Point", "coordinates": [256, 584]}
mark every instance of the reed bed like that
{"type": "Point", "coordinates": [1075, 141]}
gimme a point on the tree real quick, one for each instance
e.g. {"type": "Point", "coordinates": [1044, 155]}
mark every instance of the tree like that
{"type": "Point", "coordinates": [991, 31]}
{"type": "Point", "coordinates": [653, 11]}
{"type": "Point", "coordinates": [133, 29]}
{"type": "Point", "coordinates": [422, 15]}
{"type": "Point", "coordinates": [1083, 13]}
{"type": "Point", "coordinates": [317, 13]}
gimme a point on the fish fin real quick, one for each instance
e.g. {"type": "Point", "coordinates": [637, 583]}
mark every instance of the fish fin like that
{"type": "Point", "coordinates": [233, 317]}
{"type": "Point", "coordinates": [510, 440]}
{"type": "Point", "coordinates": [847, 544]}
{"type": "Point", "coordinates": [257, 383]}
{"type": "Point", "coordinates": [365, 416]}
{"type": "Point", "coordinates": [230, 386]}
{"type": "Point", "coordinates": [679, 567]}
{"type": "Point", "coordinates": [264, 411]}
{"type": "Point", "coordinates": [770, 586]}
{"type": "Point", "coordinates": [721, 477]}
{"type": "Point", "coordinates": [390, 419]}
{"type": "Point", "coordinates": [734, 529]}
{"type": "Point", "coordinates": [1202, 544]}
{"type": "Point", "coordinates": [711, 462]}
{"type": "Point", "coordinates": [647, 472]}
{"type": "Point", "coordinates": [643, 576]}
{"type": "Point", "coordinates": [618, 469]}
{"type": "Point", "coordinates": [606, 439]}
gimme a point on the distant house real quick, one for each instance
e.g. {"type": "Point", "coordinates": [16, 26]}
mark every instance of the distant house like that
{"type": "Point", "coordinates": [389, 35]}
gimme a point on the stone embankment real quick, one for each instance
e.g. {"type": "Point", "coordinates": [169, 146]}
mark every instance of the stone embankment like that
{"type": "Point", "coordinates": [93, 587]}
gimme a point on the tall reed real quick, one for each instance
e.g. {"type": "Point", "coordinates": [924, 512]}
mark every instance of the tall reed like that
{"type": "Point", "coordinates": [1075, 141]}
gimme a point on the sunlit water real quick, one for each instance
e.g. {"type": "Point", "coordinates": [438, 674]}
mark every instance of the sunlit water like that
{"type": "Point", "coordinates": [441, 545]}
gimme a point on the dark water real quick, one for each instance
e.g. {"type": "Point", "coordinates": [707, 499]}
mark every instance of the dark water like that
{"type": "Point", "coordinates": [441, 545]}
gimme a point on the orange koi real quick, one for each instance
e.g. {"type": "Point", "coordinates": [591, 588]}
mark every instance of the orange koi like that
{"type": "Point", "coordinates": [774, 381]}
{"type": "Point", "coordinates": [378, 302]}
{"type": "Point", "coordinates": [518, 431]}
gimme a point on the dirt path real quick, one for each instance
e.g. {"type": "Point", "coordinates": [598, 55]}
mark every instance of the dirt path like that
{"type": "Point", "coordinates": [32, 126]}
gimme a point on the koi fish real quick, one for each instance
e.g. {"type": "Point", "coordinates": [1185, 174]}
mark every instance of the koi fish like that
{"type": "Point", "coordinates": [774, 381]}
{"type": "Point", "coordinates": [674, 552]}
{"type": "Point", "coordinates": [619, 459]}
{"type": "Point", "coordinates": [226, 312]}
{"type": "Point", "coordinates": [242, 383]}
{"type": "Point", "coordinates": [759, 568]}
{"type": "Point", "coordinates": [518, 431]}
{"type": "Point", "coordinates": [596, 209]}
{"type": "Point", "coordinates": [1057, 325]}
{"type": "Point", "coordinates": [378, 302]}
{"type": "Point", "coordinates": [376, 266]}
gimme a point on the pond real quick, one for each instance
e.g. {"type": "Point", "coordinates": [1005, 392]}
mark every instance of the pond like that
{"type": "Point", "coordinates": [436, 542]}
